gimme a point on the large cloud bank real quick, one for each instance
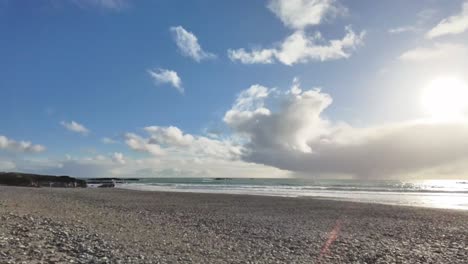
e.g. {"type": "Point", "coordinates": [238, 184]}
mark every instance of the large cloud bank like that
{"type": "Point", "coordinates": [295, 136]}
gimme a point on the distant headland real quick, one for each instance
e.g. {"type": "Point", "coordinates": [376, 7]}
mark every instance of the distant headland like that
{"type": "Point", "coordinates": [36, 180]}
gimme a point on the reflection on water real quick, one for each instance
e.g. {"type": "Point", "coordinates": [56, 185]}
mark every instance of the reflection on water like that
{"type": "Point", "coordinates": [433, 200]}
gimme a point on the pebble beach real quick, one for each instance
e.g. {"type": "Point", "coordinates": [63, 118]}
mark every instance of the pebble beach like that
{"type": "Point", "coordinates": [60, 225]}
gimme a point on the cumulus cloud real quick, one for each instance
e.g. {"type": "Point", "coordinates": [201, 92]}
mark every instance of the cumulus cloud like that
{"type": "Point", "coordinates": [298, 14]}
{"type": "Point", "coordinates": [171, 141]}
{"type": "Point", "coordinates": [141, 144]}
{"type": "Point", "coordinates": [75, 127]}
{"type": "Point", "coordinates": [278, 133]}
{"type": "Point", "coordinates": [302, 48]}
{"type": "Point", "coordinates": [169, 136]}
{"type": "Point", "coordinates": [439, 51]}
{"type": "Point", "coordinates": [452, 25]}
{"type": "Point", "coordinates": [188, 44]}
{"type": "Point", "coordinates": [255, 56]}
{"type": "Point", "coordinates": [163, 76]}
{"type": "Point", "coordinates": [297, 137]}
{"type": "Point", "coordinates": [19, 146]}
{"type": "Point", "coordinates": [265, 129]}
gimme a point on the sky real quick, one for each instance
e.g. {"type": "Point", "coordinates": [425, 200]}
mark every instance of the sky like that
{"type": "Point", "coordinates": [273, 88]}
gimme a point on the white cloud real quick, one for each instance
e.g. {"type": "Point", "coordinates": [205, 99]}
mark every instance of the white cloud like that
{"type": "Point", "coordinates": [140, 144]}
{"type": "Point", "coordinates": [168, 136]}
{"type": "Point", "coordinates": [251, 98]}
{"type": "Point", "coordinates": [452, 25]}
{"type": "Point", "coordinates": [300, 113]}
{"type": "Point", "coordinates": [19, 146]}
{"type": "Point", "coordinates": [188, 44]}
{"type": "Point", "coordinates": [403, 29]}
{"type": "Point", "coordinates": [300, 48]}
{"type": "Point", "coordinates": [260, 56]}
{"type": "Point", "coordinates": [94, 166]}
{"type": "Point", "coordinates": [163, 76]}
{"type": "Point", "coordinates": [118, 158]}
{"type": "Point", "coordinates": [166, 166]}
{"type": "Point", "coordinates": [172, 142]}
{"type": "Point", "coordinates": [75, 127]}
{"type": "Point", "coordinates": [299, 14]}
{"type": "Point", "coordinates": [439, 51]}
{"type": "Point", "coordinates": [298, 138]}
{"type": "Point", "coordinates": [179, 155]}
{"type": "Point", "coordinates": [107, 140]}
{"type": "Point", "coordinates": [279, 133]}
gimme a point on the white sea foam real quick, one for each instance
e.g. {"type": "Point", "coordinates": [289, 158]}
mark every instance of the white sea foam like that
{"type": "Point", "coordinates": [434, 194]}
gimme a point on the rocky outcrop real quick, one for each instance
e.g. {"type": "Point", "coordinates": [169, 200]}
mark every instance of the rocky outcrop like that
{"type": "Point", "coordinates": [35, 180]}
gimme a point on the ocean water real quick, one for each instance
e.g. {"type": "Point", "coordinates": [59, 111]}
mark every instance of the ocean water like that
{"type": "Point", "coordinates": [452, 194]}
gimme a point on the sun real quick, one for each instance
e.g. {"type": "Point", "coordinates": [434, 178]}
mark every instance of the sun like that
{"type": "Point", "coordinates": [445, 98]}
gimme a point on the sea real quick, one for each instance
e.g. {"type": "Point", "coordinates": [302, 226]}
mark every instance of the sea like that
{"type": "Point", "coordinates": [450, 194]}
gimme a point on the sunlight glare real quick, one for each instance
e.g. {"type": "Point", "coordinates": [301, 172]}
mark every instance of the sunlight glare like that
{"type": "Point", "coordinates": [445, 98]}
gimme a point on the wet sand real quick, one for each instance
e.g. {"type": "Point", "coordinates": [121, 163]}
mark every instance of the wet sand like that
{"type": "Point", "coordinates": [42, 225]}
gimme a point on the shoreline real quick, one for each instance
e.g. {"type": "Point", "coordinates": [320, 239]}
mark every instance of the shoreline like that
{"type": "Point", "coordinates": [434, 205]}
{"type": "Point", "coordinates": [112, 225]}
{"type": "Point", "coordinates": [305, 197]}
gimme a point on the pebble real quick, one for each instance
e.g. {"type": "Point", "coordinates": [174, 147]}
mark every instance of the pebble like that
{"type": "Point", "coordinates": [185, 228]}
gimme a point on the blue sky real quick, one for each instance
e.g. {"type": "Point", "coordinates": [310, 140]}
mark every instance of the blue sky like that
{"type": "Point", "coordinates": [84, 81]}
